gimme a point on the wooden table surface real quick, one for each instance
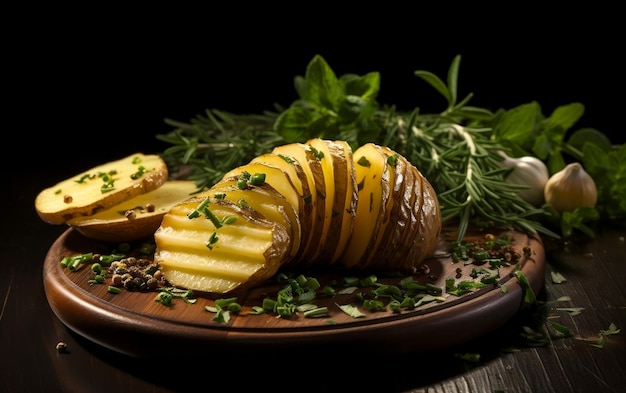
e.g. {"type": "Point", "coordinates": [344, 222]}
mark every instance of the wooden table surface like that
{"type": "Point", "coordinates": [512, 358]}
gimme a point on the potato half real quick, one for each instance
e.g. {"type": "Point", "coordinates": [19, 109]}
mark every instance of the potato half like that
{"type": "Point", "coordinates": [101, 188]}
{"type": "Point", "coordinates": [135, 218]}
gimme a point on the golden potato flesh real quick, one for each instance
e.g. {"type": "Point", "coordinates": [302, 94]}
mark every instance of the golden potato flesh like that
{"type": "Point", "coordinates": [135, 218]}
{"type": "Point", "coordinates": [219, 246]}
{"type": "Point", "coordinates": [101, 188]}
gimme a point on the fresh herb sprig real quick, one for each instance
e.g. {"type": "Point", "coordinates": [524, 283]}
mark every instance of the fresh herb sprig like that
{"type": "Point", "coordinates": [456, 149]}
{"type": "Point", "coordinates": [212, 144]}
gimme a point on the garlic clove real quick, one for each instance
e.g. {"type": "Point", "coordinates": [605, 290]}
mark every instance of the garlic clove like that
{"type": "Point", "coordinates": [527, 171]}
{"type": "Point", "coordinates": [571, 188]}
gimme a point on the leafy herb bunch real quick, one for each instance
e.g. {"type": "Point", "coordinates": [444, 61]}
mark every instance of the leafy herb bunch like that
{"type": "Point", "coordinates": [456, 149]}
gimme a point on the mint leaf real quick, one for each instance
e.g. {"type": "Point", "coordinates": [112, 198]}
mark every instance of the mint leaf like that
{"type": "Point", "coordinates": [519, 125]}
{"type": "Point", "coordinates": [365, 87]}
{"type": "Point", "coordinates": [322, 86]}
{"type": "Point", "coordinates": [580, 137]}
{"type": "Point", "coordinates": [564, 117]}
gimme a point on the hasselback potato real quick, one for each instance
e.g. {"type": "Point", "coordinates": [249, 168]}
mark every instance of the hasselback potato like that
{"type": "Point", "coordinates": [310, 204]}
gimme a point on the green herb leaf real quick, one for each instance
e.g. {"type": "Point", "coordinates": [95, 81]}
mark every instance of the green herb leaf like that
{"type": "Point", "coordinates": [351, 310]}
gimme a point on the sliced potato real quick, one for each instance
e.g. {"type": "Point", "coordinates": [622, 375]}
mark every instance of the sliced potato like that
{"type": "Point", "coordinates": [195, 253]}
{"type": "Point", "coordinates": [323, 158]}
{"type": "Point", "coordinates": [400, 217]}
{"type": "Point", "coordinates": [429, 228]}
{"type": "Point", "coordinates": [266, 201]}
{"type": "Point", "coordinates": [346, 188]}
{"type": "Point", "coordinates": [301, 154]}
{"type": "Point", "coordinates": [340, 202]}
{"type": "Point", "coordinates": [387, 204]}
{"type": "Point", "coordinates": [135, 218]}
{"type": "Point", "coordinates": [275, 177]}
{"type": "Point", "coordinates": [372, 177]}
{"type": "Point", "coordinates": [101, 188]}
{"type": "Point", "coordinates": [291, 167]}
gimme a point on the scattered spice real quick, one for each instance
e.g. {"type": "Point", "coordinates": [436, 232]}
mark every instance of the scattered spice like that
{"type": "Point", "coordinates": [61, 347]}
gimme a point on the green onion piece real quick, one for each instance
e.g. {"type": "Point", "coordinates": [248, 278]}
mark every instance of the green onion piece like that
{"type": "Point", "coordinates": [256, 310]}
{"type": "Point", "coordinates": [196, 212]}
{"type": "Point", "coordinates": [351, 310]}
{"type": "Point", "coordinates": [223, 303]}
{"type": "Point", "coordinates": [329, 291]}
{"type": "Point", "coordinates": [108, 259]}
{"type": "Point", "coordinates": [408, 302]}
{"type": "Point", "coordinates": [221, 316]}
{"type": "Point", "coordinates": [269, 305]}
{"type": "Point", "coordinates": [316, 312]}
{"type": "Point", "coordinates": [480, 256]}
{"type": "Point", "coordinates": [529, 294]}
{"type": "Point", "coordinates": [212, 240]}
{"type": "Point", "coordinates": [113, 290]}
{"type": "Point", "coordinates": [258, 179]}
{"type": "Point", "coordinates": [140, 171]}
{"type": "Point", "coordinates": [284, 311]}
{"type": "Point", "coordinates": [369, 281]}
{"type": "Point", "coordinates": [163, 298]}
{"type": "Point", "coordinates": [373, 305]}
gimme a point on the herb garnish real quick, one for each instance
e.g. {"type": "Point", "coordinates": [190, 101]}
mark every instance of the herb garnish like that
{"type": "Point", "coordinates": [455, 149]}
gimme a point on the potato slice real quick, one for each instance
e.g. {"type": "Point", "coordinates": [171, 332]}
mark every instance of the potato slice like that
{"type": "Point", "coordinates": [302, 183]}
{"type": "Point", "coordinates": [393, 166]}
{"type": "Point", "coordinates": [291, 167]}
{"type": "Point", "coordinates": [275, 177]}
{"type": "Point", "coordinates": [429, 225]}
{"type": "Point", "coordinates": [302, 154]}
{"type": "Point", "coordinates": [266, 201]}
{"type": "Point", "coordinates": [195, 253]}
{"type": "Point", "coordinates": [135, 218]}
{"type": "Point", "coordinates": [321, 152]}
{"type": "Point", "coordinates": [372, 175]}
{"type": "Point", "coordinates": [340, 203]}
{"type": "Point", "coordinates": [401, 222]}
{"type": "Point", "coordinates": [346, 188]}
{"type": "Point", "coordinates": [419, 226]}
{"type": "Point", "coordinates": [101, 188]}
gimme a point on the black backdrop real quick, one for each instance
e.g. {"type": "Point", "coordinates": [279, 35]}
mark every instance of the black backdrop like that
{"type": "Point", "coordinates": [99, 86]}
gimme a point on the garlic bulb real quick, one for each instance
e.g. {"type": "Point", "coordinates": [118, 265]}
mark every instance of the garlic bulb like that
{"type": "Point", "coordinates": [528, 171]}
{"type": "Point", "coordinates": [571, 188]}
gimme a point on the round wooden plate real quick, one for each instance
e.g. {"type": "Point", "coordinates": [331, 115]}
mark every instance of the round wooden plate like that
{"type": "Point", "coordinates": [135, 324]}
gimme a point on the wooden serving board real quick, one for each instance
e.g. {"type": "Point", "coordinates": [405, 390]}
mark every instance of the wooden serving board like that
{"type": "Point", "coordinates": [135, 324]}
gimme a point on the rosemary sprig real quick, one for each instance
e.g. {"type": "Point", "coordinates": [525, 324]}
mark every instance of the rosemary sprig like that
{"type": "Point", "coordinates": [214, 143]}
{"type": "Point", "coordinates": [454, 150]}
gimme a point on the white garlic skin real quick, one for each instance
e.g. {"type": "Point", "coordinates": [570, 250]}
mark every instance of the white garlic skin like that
{"type": "Point", "coordinates": [528, 171]}
{"type": "Point", "coordinates": [571, 188]}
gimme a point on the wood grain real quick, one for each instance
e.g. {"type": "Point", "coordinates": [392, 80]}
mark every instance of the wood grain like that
{"type": "Point", "coordinates": [184, 328]}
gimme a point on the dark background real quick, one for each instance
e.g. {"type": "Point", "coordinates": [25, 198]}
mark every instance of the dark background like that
{"type": "Point", "coordinates": [100, 85]}
{"type": "Point", "coordinates": [94, 82]}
